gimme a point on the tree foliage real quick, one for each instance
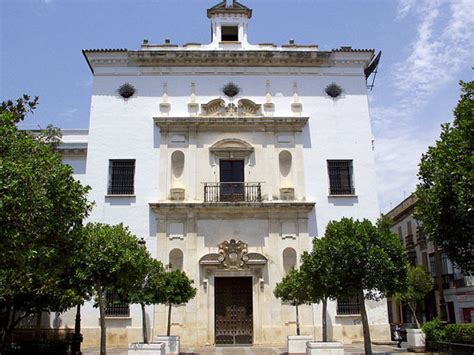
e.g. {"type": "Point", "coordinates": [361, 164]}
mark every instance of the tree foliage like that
{"type": "Point", "coordinates": [147, 291]}
{"type": "Point", "coordinates": [371, 262]}
{"type": "Point", "coordinates": [318, 268]}
{"type": "Point", "coordinates": [419, 283]}
{"type": "Point", "coordinates": [445, 192]}
{"type": "Point", "coordinates": [114, 262]}
{"type": "Point", "coordinates": [176, 289]}
{"type": "Point", "coordinates": [294, 288]}
{"type": "Point", "coordinates": [41, 211]}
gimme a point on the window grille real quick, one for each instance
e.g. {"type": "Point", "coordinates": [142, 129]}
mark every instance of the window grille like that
{"type": "Point", "coordinates": [121, 177]}
{"type": "Point", "coordinates": [114, 308]}
{"type": "Point", "coordinates": [340, 177]}
{"type": "Point", "coordinates": [348, 305]}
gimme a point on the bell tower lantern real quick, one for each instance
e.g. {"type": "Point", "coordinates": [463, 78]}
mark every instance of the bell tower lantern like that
{"type": "Point", "coordinates": [229, 22]}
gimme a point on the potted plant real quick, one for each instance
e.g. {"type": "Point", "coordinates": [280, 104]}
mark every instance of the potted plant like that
{"type": "Point", "coordinates": [293, 289]}
{"type": "Point", "coordinates": [176, 289]}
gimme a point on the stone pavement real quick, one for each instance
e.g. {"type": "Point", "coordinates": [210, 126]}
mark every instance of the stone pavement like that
{"type": "Point", "coordinates": [353, 349]}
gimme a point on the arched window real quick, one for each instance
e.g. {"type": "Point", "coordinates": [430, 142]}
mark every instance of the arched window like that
{"type": "Point", "coordinates": [176, 259]}
{"type": "Point", "coordinates": [289, 259]}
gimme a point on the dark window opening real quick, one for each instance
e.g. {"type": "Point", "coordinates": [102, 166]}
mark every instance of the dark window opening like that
{"type": "Point", "coordinates": [121, 177]}
{"type": "Point", "coordinates": [232, 180]}
{"type": "Point", "coordinates": [348, 305]}
{"type": "Point", "coordinates": [230, 34]}
{"type": "Point", "coordinates": [113, 306]}
{"type": "Point", "coordinates": [340, 177]}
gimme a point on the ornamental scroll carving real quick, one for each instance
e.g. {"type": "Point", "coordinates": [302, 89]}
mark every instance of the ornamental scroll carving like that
{"type": "Point", "coordinates": [233, 254]}
{"type": "Point", "coordinates": [218, 107]}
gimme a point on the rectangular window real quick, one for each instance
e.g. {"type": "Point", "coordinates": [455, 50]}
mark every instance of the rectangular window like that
{"type": "Point", "coordinates": [114, 308]}
{"type": "Point", "coordinates": [409, 229]}
{"type": "Point", "coordinates": [400, 233]}
{"type": "Point", "coordinates": [348, 305]}
{"type": "Point", "coordinates": [444, 264]}
{"type": "Point", "coordinates": [121, 177]}
{"type": "Point", "coordinates": [230, 33]}
{"type": "Point", "coordinates": [433, 265]}
{"type": "Point", "coordinates": [340, 177]}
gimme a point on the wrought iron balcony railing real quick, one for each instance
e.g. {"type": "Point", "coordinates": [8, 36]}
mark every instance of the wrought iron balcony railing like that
{"type": "Point", "coordinates": [232, 192]}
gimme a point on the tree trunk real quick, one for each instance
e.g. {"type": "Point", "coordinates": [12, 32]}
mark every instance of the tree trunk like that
{"type": "Point", "coordinates": [324, 318]}
{"type": "Point", "coordinates": [413, 310]}
{"type": "Point", "coordinates": [145, 331]}
{"type": "Point", "coordinates": [365, 323]}
{"type": "Point", "coordinates": [103, 330]}
{"type": "Point", "coordinates": [5, 327]}
{"type": "Point", "coordinates": [297, 321]}
{"type": "Point", "coordinates": [168, 328]}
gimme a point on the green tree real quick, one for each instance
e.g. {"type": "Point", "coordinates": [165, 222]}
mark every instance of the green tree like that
{"type": "Point", "coordinates": [371, 262]}
{"type": "Point", "coordinates": [176, 289]}
{"type": "Point", "coordinates": [318, 268]}
{"type": "Point", "coordinates": [445, 192]}
{"type": "Point", "coordinates": [114, 262]}
{"type": "Point", "coordinates": [148, 291]}
{"type": "Point", "coordinates": [419, 283]}
{"type": "Point", "coordinates": [294, 289]}
{"type": "Point", "coordinates": [41, 212]}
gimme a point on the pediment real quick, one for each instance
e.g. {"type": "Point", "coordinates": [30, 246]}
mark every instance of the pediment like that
{"type": "Point", "coordinates": [236, 8]}
{"type": "Point", "coordinates": [231, 148]}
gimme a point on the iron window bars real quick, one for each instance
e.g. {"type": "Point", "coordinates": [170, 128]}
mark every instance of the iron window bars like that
{"type": "Point", "coordinates": [114, 308]}
{"type": "Point", "coordinates": [348, 305]}
{"type": "Point", "coordinates": [340, 177]}
{"type": "Point", "coordinates": [121, 177]}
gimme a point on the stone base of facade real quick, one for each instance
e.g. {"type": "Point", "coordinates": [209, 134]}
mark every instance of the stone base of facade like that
{"type": "Point", "coordinates": [268, 336]}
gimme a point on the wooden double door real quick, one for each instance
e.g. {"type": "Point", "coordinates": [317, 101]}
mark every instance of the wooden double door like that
{"type": "Point", "coordinates": [233, 310]}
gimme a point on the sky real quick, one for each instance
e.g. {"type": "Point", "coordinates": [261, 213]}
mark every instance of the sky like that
{"type": "Point", "coordinates": [427, 47]}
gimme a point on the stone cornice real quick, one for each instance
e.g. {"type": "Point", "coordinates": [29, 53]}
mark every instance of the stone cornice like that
{"type": "Point", "coordinates": [266, 209]}
{"type": "Point", "coordinates": [246, 123]}
{"type": "Point", "coordinates": [225, 58]}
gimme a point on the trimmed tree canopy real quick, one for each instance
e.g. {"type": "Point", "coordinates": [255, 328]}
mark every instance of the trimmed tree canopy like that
{"type": "Point", "coordinates": [446, 190]}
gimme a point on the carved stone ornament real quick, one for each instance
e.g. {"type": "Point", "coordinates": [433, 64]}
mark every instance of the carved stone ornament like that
{"type": "Point", "coordinates": [231, 90]}
{"type": "Point", "coordinates": [233, 254]}
{"type": "Point", "coordinates": [333, 90]}
{"type": "Point", "coordinates": [126, 91]}
{"type": "Point", "coordinates": [218, 107]}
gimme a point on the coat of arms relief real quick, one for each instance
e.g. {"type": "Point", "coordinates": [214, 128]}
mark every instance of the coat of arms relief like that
{"type": "Point", "coordinates": [233, 254]}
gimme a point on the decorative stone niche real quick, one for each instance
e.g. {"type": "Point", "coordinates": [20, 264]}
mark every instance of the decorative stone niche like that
{"type": "Point", "coordinates": [289, 259]}
{"type": "Point", "coordinates": [177, 191]}
{"type": "Point", "coordinates": [176, 259]}
{"type": "Point", "coordinates": [287, 192]}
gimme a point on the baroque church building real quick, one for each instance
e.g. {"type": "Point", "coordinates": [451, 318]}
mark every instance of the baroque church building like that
{"type": "Point", "coordinates": [228, 158]}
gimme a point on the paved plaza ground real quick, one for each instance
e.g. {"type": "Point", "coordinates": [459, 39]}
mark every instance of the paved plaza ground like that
{"type": "Point", "coordinates": [353, 349]}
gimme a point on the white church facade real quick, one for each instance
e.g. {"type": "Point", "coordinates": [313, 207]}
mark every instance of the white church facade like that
{"type": "Point", "coordinates": [228, 158]}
